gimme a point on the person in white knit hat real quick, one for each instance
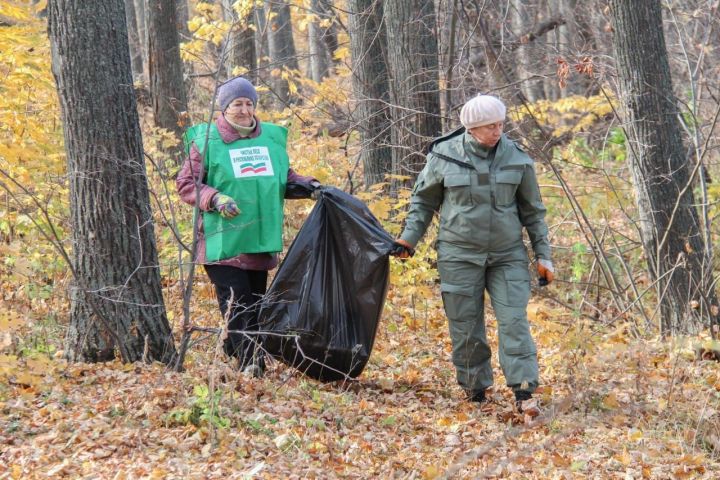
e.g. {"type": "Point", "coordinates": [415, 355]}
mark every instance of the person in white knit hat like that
{"type": "Point", "coordinates": [485, 188]}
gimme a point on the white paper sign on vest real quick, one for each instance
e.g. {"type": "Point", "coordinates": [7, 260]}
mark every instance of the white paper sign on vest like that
{"type": "Point", "coordinates": [251, 162]}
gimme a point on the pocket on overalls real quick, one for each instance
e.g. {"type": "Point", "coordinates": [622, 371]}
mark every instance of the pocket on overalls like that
{"type": "Point", "coordinates": [517, 286]}
{"type": "Point", "coordinates": [458, 301]}
{"type": "Point", "coordinates": [458, 189]}
{"type": "Point", "coordinates": [506, 184]}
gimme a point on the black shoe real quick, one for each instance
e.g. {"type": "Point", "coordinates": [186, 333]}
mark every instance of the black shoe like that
{"type": "Point", "coordinates": [477, 397]}
{"type": "Point", "coordinates": [526, 404]}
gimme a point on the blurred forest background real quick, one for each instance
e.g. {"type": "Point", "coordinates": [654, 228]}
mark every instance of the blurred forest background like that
{"type": "Point", "coordinates": [617, 102]}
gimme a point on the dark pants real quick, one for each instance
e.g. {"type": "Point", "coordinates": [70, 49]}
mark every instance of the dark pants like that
{"type": "Point", "coordinates": [245, 288]}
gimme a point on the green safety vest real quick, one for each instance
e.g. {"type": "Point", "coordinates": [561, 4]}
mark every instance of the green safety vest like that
{"type": "Point", "coordinates": [253, 171]}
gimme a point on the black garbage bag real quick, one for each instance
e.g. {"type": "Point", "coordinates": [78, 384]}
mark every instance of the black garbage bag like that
{"type": "Point", "coordinates": [325, 302]}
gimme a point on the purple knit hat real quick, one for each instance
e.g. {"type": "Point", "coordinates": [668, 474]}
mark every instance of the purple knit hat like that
{"type": "Point", "coordinates": [235, 88]}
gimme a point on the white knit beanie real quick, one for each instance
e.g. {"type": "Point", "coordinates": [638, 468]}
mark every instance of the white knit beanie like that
{"type": "Point", "coordinates": [482, 110]}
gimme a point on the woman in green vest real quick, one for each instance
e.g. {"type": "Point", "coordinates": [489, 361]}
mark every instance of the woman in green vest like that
{"type": "Point", "coordinates": [236, 173]}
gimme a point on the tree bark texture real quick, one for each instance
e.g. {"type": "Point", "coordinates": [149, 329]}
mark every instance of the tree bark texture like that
{"type": "Point", "coordinates": [165, 66]}
{"type": "Point", "coordinates": [447, 59]}
{"type": "Point", "coordinates": [243, 52]}
{"type": "Point", "coordinates": [320, 56]}
{"type": "Point", "coordinates": [527, 56]}
{"type": "Point", "coordinates": [116, 301]}
{"type": "Point", "coordinates": [371, 88]}
{"type": "Point", "coordinates": [580, 42]}
{"type": "Point", "coordinates": [141, 20]}
{"type": "Point", "coordinates": [136, 53]}
{"type": "Point", "coordinates": [242, 41]}
{"type": "Point", "coordinates": [182, 10]}
{"type": "Point", "coordinates": [412, 57]}
{"type": "Point", "coordinates": [669, 223]}
{"type": "Point", "coordinates": [281, 47]}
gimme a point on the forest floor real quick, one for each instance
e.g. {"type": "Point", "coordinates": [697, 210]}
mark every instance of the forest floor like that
{"type": "Point", "coordinates": [615, 406]}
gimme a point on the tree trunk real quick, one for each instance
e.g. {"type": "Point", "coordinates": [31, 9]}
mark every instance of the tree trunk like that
{"type": "Point", "coordinates": [371, 90]}
{"type": "Point", "coordinates": [411, 32]}
{"type": "Point", "coordinates": [320, 59]}
{"type": "Point", "coordinates": [281, 47]}
{"type": "Point", "coordinates": [136, 53]}
{"type": "Point", "coordinates": [116, 301]}
{"type": "Point", "coordinates": [242, 41]}
{"type": "Point", "coordinates": [669, 223]}
{"type": "Point", "coordinates": [329, 33]}
{"type": "Point", "coordinates": [448, 60]}
{"type": "Point", "coordinates": [552, 45]}
{"type": "Point", "coordinates": [165, 66]}
{"type": "Point", "coordinates": [580, 42]}
{"type": "Point", "coordinates": [183, 16]}
{"type": "Point", "coordinates": [243, 52]}
{"type": "Point", "coordinates": [526, 55]}
{"type": "Point", "coordinates": [141, 19]}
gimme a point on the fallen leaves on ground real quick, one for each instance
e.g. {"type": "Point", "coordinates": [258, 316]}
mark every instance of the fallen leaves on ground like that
{"type": "Point", "coordinates": [612, 409]}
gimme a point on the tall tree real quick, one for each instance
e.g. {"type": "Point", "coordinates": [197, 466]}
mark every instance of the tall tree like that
{"type": "Point", "coordinates": [410, 27]}
{"type": "Point", "coordinates": [165, 66]}
{"type": "Point", "coordinates": [117, 301]}
{"type": "Point", "coordinates": [320, 57]}
{"type": "Point", "coordinates": [281, 46]}
{"type": "Point", "coordinates": [526, 55]}
{"type": "Point", "coordinates": [669, 223]}
{"type": "Point", "coordinates": [136, 50]}
{"type": "Point", "coordinates": [241, 50]}
{"type": "Point", "coordinates": [370, 86]}
{"type": "Point", "coordinates": [182, 15]}
{"type": "Point", "coordinates": [139, 7]}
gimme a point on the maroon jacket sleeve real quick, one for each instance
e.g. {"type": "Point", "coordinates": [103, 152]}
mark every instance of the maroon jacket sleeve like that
{"type": "Point", "coordinates": [190, 177]}
{"type": "Point", "coordinates": [293, 176]}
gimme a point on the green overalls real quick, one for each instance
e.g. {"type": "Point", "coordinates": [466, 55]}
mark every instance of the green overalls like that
{"type": "Point", "coordinates": [485, 198]}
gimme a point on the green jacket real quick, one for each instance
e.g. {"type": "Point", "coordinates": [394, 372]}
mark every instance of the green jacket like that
{"type": "Point", "coordinates": [485, 198]}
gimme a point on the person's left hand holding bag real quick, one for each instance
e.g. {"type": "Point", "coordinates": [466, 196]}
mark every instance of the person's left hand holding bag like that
{"type": "Point", "coordinates": [317, 187]}
{"type": "Point", "coordinates": [225, 206]}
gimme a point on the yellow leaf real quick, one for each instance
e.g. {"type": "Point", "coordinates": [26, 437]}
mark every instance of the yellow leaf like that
{"type": "Point", "coordinates": [342, 53]}
{"type": "Point", "coordinates": [536, 312]}
{"type": "Point", "coordinates": [611, 402]}
{"type": "Point", "coordinates": [625, 458]}
{"type": "Point", "coordinates": [16, 472]}
{"type": "Point", "coordinates": [431, 472]}
{"type": "Point", "coordinates": [8, 363]}
{"type": "Point", "coordinates": [40, 365]}
{"type": "Point", "coordinates": [29, 379]}
{"type": "Point", "coordinates": [10, 322]}
{"type": "Point", "coordinates": [635, 435]}
{"type": "Point", "coordinates": [560, 460]}
{"type": "Point", "coordinates": [292, 86]}
{"type": "Point", "coordinates": [381, 209]}
{"type": "Point", "coordinates": [317, 447]}
{"type": "Point", "coordinates": [41, 5]}
{"type": "Point", "coordinates": [239, 70]}
{"type": "Point", "coordinates": [444, 421]}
